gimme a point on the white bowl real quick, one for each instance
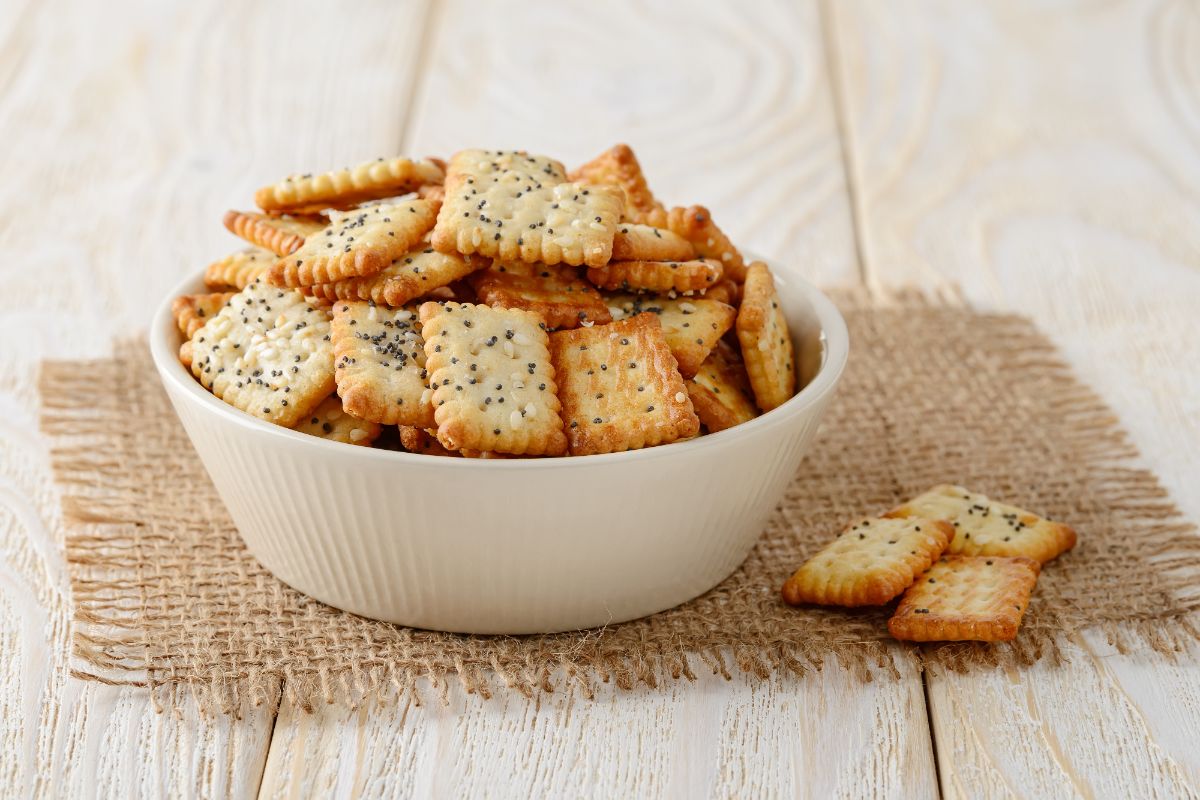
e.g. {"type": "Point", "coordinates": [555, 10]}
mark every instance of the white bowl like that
{"type": "Point", "coordinates": [516, 546]}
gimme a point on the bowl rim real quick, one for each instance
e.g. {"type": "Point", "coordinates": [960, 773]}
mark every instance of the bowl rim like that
{"type": "Point", "coordinates": [833, 332]}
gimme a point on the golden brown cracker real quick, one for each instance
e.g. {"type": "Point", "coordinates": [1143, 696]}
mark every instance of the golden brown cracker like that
{"type": "Point", "coordinates": [619, 167]}
{"type": "Point", "coordinates": [691, 325]}
{"type": "Point", "coordinates": [967, 598]}
{"type": "Point", "coordinates": [633, 242]}
{"type": "Point", "coordinates": [185, 354]}
{"type": "Point", "coordinates": [685, 277]}
{"type": "Point", "coordinates": [193, 310]}
{"type": "Point", "coordinates": [379, 358]}
{"type": "Point", "coordinates": [985, 527]}
{"type": "Point", "coordinates": [695, 224]}
{"type": "Point", "coordinates": [349, 186]}
{"type": "Point", "coordinates": [329, 420]}
{"type": "Point", "coordinates": [239, 270]}
{"type": "Point", "coordinates": [360, 243]}
{"type": "Point", "coordinates": [268, 353]}
{"type": "Point", "coordinates": [492, 379]}
{"type": "Point", "coordinates": [721, 391]}
{"type": "Point", "coordinates": [420, 272]}
{"type": "Point", "coordinates": [766, 344]}
{"type": "Point", "coordinates": [420, 441]}
{"type": "Point", "coordinates": [620, 387]}
{"type": "Point", "coordinates": [280, 235]}
{"type": "Point", "coordinates": [556, 293]}
{"type": "Point", "coordinates": [726, 291]}
{"type": "Point", "coordinates": [870, 563]}
{"type": "Point", "coordinates": [512, 206]}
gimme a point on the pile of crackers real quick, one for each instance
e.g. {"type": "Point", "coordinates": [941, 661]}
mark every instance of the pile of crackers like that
{"type": "Point", "coordinates": [965, 565]}
{"type": "Point", "coordinates": [491, 306]}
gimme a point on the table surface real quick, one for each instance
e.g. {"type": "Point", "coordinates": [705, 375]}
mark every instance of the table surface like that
{"type": "Point", "coordinates": [1039, 157]}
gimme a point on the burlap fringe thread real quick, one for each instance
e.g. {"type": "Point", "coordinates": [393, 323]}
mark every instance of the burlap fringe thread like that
{"type": "Point", "coordinates": [167, 597]}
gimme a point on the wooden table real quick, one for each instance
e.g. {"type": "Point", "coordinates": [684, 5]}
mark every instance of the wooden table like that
{"type": "Point", "coordinates": [1036, 157]}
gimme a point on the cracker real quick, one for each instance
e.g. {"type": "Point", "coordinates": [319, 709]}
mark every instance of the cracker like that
{"type": "Point", "coordinates": [379, 358]}
{"type": "Point", "coordinates": [349, 186]}
{"type": "Point", "coordinates": [692, 325]}
{"type": "Point", "coordinates": [185, 354]}
{"type": "Point", "coordinates": [633, 242]}
{"type": "Point", "coordinates": [870, 563]}
{"type": "Point", "coordinates": [726, 291]}
{"type": "Point", "coordinates": [421, 441]}
{"type": "Point", "coordinates": [721, 392]}
{"type": "Point", "coordinates": [361, 243]}
{"type": "Point", "coordinates": [620, 387]}
{"type": "Point", "coordinates": [512, 206]}
{"type": "Point", "coordinates": [695, 224]}
{"type": "Point", "coordinates": [280, 235]}
{"type": "Point", "coordinates": [268, 353]}
{"type": "Point", "coordinates": [619, 167]}
{"type": "Point", "coordinates": [556, 293]}
{"type": "Point", "coordinates": [492, 379]}
{"type": "Point", "coordinates": [193, 310]}
{"type": "Point", "coordinates": [329, 420]}
{"type": "Point", "coordinates": [984, 527]}
{"type": "Point", "coordinates": [239, 270]}
{"type": "Point", "coordinates": [656, 276]}
{"type": "Point", "coordinates": [766, 344]}
{"type": "Point", "coordinates": [967, 598]}
{"type": "Point", "coordinates": [418, 273]}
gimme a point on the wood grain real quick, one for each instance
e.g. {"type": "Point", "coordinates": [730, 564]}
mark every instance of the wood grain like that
{"type": "Point", "coordinates": [129, 128]}
{"type": "Point", "coordinates": [1045, 158]}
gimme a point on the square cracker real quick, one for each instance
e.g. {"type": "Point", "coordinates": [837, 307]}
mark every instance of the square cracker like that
{"type": "Point", "coordinates": [556, 293]}
{"type": "Point", "coordinates": [492, 379]}
{"type": "Point", "coordinates": [695, 224]}
{"type": "Point", "coordinates": [766, 344]}
{"type": "Point", "coordinates": [620, 387]}
{"type": "Point", "coordinates": [329, 420]}
{"type": "Point", "coordinates": [379, 358]}
{"type": "Point", "coordinates": [349, 186]}
{"type": "Point", "coordinates": [870, 563]}
{"type": "Point", "coordinates": [720, 391]}
{"type": "Point", "coordinates": [656, 276]}
{"type": "Point", "coordinates": [361, 243]}
{"type": "Point", "coordinates": [619, 167]}
{"type": "Point", "coordinates": [513, 206]}
{"type": "Point", "coordinates": [280, 235]}
{"type": "Point", "coordinates": [633, 242]}
{"type": "Point", "coordinates": [967, 598]}
{"type": "Point", "coordinates": [983, 527]}
{"type": "Point", "coordinates": [268, 353]}
{"type": "Point", "coordinates": [239, 270]}
{"type": "Point", "coordinates": [692, 326]}
{"type": "Point", "coordinates": [417, 273]}
{"type": "Point", "coordinates": [193, 310]}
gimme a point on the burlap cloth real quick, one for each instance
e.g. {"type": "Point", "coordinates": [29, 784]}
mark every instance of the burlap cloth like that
{"type": "Point", "coordinates": [166, 595]}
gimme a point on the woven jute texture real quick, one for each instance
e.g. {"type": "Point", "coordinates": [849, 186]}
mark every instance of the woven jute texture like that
{"type": "Point", "coordinates": [167, 595]}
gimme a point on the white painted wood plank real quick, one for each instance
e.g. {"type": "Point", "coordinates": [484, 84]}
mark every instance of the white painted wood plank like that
{"type": "Point", "coordinates": [129, 128]}
{"type": "Point", "coordinates": [1045, 158]}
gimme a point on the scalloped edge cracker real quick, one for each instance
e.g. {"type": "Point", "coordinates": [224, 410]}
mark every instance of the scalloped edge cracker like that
{"type": "Point", "coordinates": [379, 359]}
{"type": "Point", "coordinates": [329, 420]}
{"type": "Point", "coordinates": [635, 242]}
{"type": "Point", "coordinates": [696, 225]}
{"type": "Point", "coordinates": [692, 326]}
{"type": "Point", "coordinates": [720, 390]}
{"type": "Point", "coordinates": [557, 293]}
{"type": "Point", "coordinates": [766, 344]}
{"type": "Point", "coordinates": [191, 311]}
{"type": "Point", "coordinates": [280, 235]}
{"type": "Point", "coordinates": [349, 186]}
{"type": "Point", "coordinates": [420, 272]}
{"type": "Point", "coordinates": [619, 167]}
{"type": "Point", "coordinates": [685, 277]}
{"type": "Point", "coordinates": [239, 270]}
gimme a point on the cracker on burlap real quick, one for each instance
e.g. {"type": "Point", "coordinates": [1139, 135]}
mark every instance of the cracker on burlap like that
{"type": "Point", "coordinates": [239, 270]}
{"type": "Point", "coordinates": [634, 242]}
{"type": "Point", "coordinates": [361, 243]}
{"type": "Point", "coordinates": [695, 224]}
{"type": "Point", "coordinates": [280, 235]}
{"type": "Point", "coordinates": [692, 326]}
{"type": "Point", "coordinates": [420, 272]}
{"type": "Point", "coordinates": [193, 310]}
{"type": "Point", "coordinates": [329, 420]}
{"type": "Point", "coordinates": [967, 598]}
{"type": "Point", "coordinates": [268, 353]}
{"type": "Point", "coordinates": [766, 344]}
{"type": "Point", "coordinates": [379, 358]}
{"type": "Point", "coordinates": [870, 563]}
{"type": "Point", "coordinates": [349, 186]}
{"type": "Point", "coordinates": [983, 527]}
{"type": "Point", "coordinates": [685, 277]}
{"type": "Point", "coordinates": [513, 206]}
{"type": "Point", "coordinates": [492, 379]}
{"type": "Point", "coordinates": [721, 391]}
{"type": "Point", "coordinates": [556, 293]}
{"type": "Point", "coordinates": [620, 387]}
{"type": "Point", "coordinates": [619, 167]}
